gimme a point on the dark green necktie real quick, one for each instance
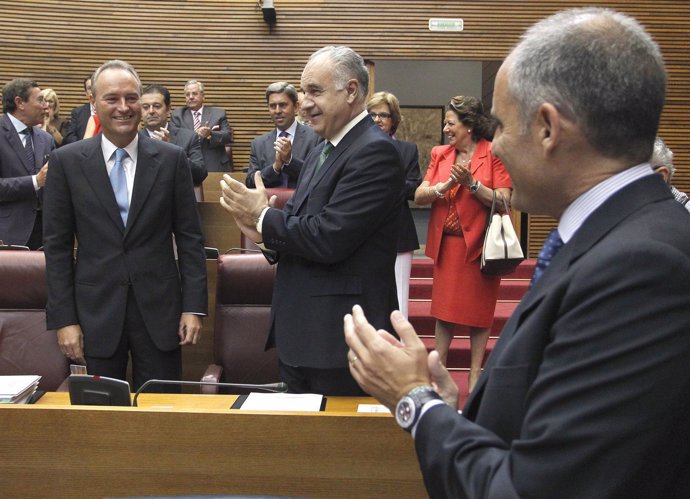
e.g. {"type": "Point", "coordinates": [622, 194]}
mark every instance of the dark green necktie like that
{"type": "Point", "coordinates": [322, 157]}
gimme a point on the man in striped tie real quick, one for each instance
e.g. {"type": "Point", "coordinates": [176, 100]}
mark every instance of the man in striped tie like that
{"type": "Point", "coordinates": [209, 123]}
{"type": "Point", "coordinates": [23, 167]}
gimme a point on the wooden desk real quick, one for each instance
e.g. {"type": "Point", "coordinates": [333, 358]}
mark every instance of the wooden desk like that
{"type": "Point", "coordinates": [193, 444]}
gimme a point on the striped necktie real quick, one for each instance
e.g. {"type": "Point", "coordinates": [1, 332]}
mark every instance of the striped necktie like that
{"type": "Point", "coordinates": [197, 119]}
{"type": "Point", "coordinates": [29, 149]}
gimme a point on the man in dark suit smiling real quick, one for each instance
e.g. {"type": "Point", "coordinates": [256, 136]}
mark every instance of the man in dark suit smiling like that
{"type": "Point", "coordinates": [587, 391]}
{"type": "Point", "coordinates": [279, 154]}
{"type": "Point", "coordinates": [336, 238]}
{"type": "Point", "coordinates": [122, 196]}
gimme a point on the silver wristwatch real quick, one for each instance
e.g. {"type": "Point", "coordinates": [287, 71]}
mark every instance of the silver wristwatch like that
{"type": "Point", "coordinates": [409, 408]}
{"type": "Point", "coordinates": [475, 187]}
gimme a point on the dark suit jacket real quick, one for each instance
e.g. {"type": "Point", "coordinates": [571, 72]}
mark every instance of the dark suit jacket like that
{"type": "Point", "coordinates": [19, 200]}
{"type": "Point", "coordinates": [336, 241]}
{"type": "Point", "coordinates": [77, 123]}
{"type": "Point", "coordinates": [587, 392]}
{"type": "Point", "coordinates": [187, 140]}
{"type": "Point", "coordinates": [263, 155]}
{"type": "Point", "coordinates": [79, 202]}
{"type": "Point", "coordinates": [407, 240]}
{"type": "Point", "coordinates": [216, 158]}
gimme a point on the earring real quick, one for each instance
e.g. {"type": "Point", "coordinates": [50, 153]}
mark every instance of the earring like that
{"type": "Point", "coordinates": [469, 130]}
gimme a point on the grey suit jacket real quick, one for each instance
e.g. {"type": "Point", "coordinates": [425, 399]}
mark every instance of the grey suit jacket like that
{"type": "Point", "coordinates": [263, 155]}
{"type": "Point", "coordinates": [216, 158]}
{"type": "Point", "coordinates": [19, 201]}
{"type": "Point", "coordinates": [336, 240]}
{"type": "Point", "coordinates": [587, 391]}
{"type": "Point", "coordinates": [187, 140]}
{"type": "Point", "coordinates": [111, 258]}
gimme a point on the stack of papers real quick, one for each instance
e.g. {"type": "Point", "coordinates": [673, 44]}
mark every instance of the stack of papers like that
{"type": "Point", "coordinates": [17, 389]}
{"type": "Point", "coordinates": [284, 402]}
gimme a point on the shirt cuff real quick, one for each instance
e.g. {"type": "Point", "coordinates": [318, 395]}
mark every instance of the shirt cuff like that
{"type": "Point", "coordinates": [424, 410]}
{"type": "Point", "coordinates": [35, 181]}
{"type": "Point", "coordinates": [260, 220]}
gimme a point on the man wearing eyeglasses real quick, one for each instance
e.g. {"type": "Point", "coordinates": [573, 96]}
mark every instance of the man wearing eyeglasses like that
{"type": "Point", "coordinates": [279, 154]}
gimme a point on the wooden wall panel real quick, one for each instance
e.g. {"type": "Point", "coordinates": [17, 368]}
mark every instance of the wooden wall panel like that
{"type": "Point", "coordinates": [227, 45]}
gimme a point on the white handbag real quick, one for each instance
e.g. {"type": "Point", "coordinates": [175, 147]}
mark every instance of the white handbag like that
{"type": "Point", "coordinates": [501, 253]}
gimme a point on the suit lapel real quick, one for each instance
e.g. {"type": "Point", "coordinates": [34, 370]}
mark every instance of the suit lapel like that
{"type": "Point", "coordinates": [96, 174]}
{"type": "Point", "coordinates": [146, 172]}
{"type": "Point", "coordinates": [310, 179]}
{"type": "Point", "coordinates": [614, 210]}
{"type": "Point", "coordinates": [187, 118]}
{"type": "Point", "coordinates": [16, 143]}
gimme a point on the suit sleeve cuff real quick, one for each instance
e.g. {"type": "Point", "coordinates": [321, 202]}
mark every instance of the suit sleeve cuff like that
{"type": "Point", "coordinates": [425, 409]}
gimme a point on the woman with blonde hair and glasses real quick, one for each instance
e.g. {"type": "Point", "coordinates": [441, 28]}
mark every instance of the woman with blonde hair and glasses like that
{"type": "Point", "coordinates": [52, 123]}
{"type": "Point", "coordinates": [459, 184]}
{"type": "Point", "coordinates": [384, 109]}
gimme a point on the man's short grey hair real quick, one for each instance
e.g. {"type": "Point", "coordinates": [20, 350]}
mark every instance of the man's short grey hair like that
{"type": "Point", "coordinates": [662, 156]}
{"type": "Point", "coordinates": [601, 70]}
{"type": "Point", "coordinates": [114, 64]}
{"type": "Point", "coordinates": [282, 87]}
{"type": "Point", "coordinates": [347, 65]}
{"type": "Point", "coordinates": [195, 82]}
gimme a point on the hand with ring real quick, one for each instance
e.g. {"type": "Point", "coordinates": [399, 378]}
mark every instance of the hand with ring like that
{"type": "Point", "coordinates": [461, 174]}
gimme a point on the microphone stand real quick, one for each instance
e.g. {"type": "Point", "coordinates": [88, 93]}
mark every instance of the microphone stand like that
{"type": "Point", "coordinates": [269, 387]}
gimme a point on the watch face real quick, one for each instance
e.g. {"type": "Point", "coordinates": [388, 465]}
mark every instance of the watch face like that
{"type": "Point", "coordinates": [405, 412]}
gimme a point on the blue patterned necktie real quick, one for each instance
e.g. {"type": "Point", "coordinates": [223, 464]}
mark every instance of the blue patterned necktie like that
{"type": "Point", "coordinates": [29, 149]}
{"type": "Point", "coordinates": [118, 180]}
{"type": "Point", "coordinates": [283, 176]}
{"type": "Point", "coordinates": [551, 246]}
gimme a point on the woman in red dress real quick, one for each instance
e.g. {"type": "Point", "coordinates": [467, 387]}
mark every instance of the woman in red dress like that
{"type": "Point", "coordinates": [460, 183]}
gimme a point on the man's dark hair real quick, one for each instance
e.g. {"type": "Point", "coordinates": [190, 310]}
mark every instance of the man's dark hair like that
{"type": "Point", "coordinates": [18, 87]}
{"type": "Point", "coordinates": [158, 89]}
{"type": "Point", "coordinates": [282, 87]}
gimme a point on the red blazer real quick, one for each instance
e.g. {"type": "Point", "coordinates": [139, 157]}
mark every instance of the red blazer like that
{"type": "Point", "coordinates": [486, 168]}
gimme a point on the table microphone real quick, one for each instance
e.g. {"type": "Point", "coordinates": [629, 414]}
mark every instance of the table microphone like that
{"type": "Point", "coordinates": [268, 387]}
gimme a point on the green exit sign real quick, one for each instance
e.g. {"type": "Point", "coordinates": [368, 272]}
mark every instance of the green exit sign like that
{"type": "Point", "coordinates": [438, 24]}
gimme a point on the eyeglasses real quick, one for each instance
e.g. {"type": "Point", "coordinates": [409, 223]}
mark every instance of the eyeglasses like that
{"type": "Point", "coordinates": [383, 116]}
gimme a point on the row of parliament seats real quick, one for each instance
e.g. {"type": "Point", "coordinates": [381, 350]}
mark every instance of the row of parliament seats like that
{"type": "Point", "coordinates": [243, 303]}
{"type": "Point", "coordinates": [26, 346]}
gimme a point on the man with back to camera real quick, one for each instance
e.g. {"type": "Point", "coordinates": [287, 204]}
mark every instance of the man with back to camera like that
{"type": "Point", "coordinates": [209, 123]}
{"type": "Point", "coordinates": [279, 154]}
{"type": "Point", "coordinates": [587, 390]}
{"type": "Point", "coordinates": [155, 105]}
{"type": "Point", "coordinates": [123, 196]}
{"type": "Point", "coordinates": [23, 163]}
{"type": "Point", "coordinates": [336, 237]}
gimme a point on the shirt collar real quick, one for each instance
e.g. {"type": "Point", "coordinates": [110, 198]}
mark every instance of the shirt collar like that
{"type": "Point", "coordinates": [18, 125]}
{"type": "Point", "coordinates": [579, 210]}
{"type": "Point", "coordinates": [292, 129]}
{"type": "Point", "coordinates": [200, 111]}
{"type": "Point", "coordinates": [351, 124]}
{"type": "Point", "coordinates": [109, 148]}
